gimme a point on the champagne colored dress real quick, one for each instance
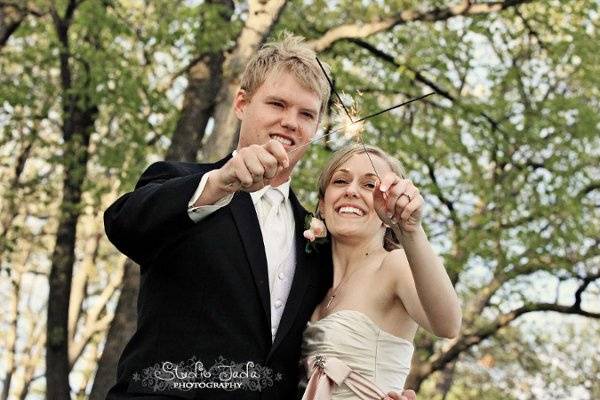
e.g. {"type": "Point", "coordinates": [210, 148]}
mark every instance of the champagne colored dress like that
{"type": "Point", "coordinates": [347, 356]}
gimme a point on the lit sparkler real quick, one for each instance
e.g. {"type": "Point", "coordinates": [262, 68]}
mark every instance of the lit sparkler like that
{"type": "Point", "coordinates": [354, 128]}
{"type": "Point", "coordinates": [360, 120]}
{"type": "Point", "coordinates": [346, 122]}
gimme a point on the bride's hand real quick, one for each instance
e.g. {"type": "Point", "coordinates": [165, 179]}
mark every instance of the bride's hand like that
{"type": "Point", "coordinates": [406, 395]}
{"type": "Point", "coordinates": [398, 202]}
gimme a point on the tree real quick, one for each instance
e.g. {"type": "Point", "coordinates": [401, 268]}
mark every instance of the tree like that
{"type": "Point", "coordinates": [497, 174]}
{"type": "Point", "coordinates": [75, 58]}
{"type": "Point", "coordinates": [502, 153]}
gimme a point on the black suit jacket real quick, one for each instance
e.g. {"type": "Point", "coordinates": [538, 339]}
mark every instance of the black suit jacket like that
{"type": "Point", "coordinates": [204, 293]}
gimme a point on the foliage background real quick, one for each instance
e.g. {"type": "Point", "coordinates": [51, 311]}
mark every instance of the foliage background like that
{"type": "Point", "coordinates": [506, 153]}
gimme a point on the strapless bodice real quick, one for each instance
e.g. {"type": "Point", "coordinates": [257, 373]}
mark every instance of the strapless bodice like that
{"type": "Point", "coordinates": [357, 341]}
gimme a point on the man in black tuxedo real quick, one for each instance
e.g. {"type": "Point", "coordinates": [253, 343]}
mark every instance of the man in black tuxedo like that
{"type": "Point", "coordinates": [226, 285]}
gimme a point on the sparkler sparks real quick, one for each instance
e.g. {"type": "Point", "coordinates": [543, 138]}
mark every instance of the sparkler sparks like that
{"type": "Point", "coordinates": [353, 127]}
{"type": "Point", "coordinates": [360, 120]}
{"type": "Point", "coordinates": [346, 122]}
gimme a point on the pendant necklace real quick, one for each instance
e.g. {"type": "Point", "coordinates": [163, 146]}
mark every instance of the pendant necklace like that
{"type": "Point", "coordinates": [330, 300]}
{"type": "Point", "coordinates": [336, 290]}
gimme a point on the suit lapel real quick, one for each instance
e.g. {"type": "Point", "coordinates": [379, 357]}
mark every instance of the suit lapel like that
{"type": "Point", "coordinates": [302, 276]}
{"type": "Point", "coordinates": [248, 227]}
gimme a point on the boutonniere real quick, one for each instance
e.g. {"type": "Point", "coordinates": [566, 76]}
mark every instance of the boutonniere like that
{"type": "Point", "coordinates": [315, 232]}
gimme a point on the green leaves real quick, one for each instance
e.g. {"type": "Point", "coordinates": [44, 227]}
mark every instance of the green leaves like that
{"type": "Point", "coordinates": [502, 155]}
{"type": "Point", "coordinates": [506, 154]}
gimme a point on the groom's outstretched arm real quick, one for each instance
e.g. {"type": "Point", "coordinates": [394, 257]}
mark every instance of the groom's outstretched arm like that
{"type": "Point", "coordinates": [142, 222]}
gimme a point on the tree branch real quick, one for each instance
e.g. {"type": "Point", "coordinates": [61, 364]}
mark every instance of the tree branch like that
{"type": "Point", "coordinates": [530, 29]}
{"type": "Point", "coordinates": [363, 30]}
{"type": "Point", "coordinates": [438, 191]}
{"type": "Point", "coordinates": [586, 282]}
{"type": "Point", "coordinates": [482, 298]}
{"type": "Point", "coordinates": [11, 18]}
{"type": "Point", "coordinates": [419, 77]}
{"type": "Point", "coordinates": [94, 321]}
{"type": "Point", "coordinates": [588, 189]}
{"type": "Point", "coordinates": [28, 8]}
{"type": "Point", "coordinates": [70, 11]}
{"type": "Point", "coordinates": [471, 339]}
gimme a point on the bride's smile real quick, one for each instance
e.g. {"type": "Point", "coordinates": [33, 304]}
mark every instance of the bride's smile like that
{"type": "Point", "coordinates": [348, 203]}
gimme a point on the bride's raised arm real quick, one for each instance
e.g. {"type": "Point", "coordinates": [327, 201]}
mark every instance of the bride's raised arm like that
{"type": "Point", "coordinates": [422, 283]}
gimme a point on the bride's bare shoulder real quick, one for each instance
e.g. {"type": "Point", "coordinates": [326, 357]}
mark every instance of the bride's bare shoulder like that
{"type": "Point", "coordinates": [395, 267]}
{"type": "Point", "coordinates": [395, 259]}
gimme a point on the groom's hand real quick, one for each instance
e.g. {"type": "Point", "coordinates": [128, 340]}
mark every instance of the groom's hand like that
{"type": "Point", "coordinates": [406, 395]}
{"type": "Point", "coordinates": [252, 167]}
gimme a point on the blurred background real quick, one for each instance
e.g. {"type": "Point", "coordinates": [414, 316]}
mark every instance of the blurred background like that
{"type": "Point", "coordinates": [506, 154]}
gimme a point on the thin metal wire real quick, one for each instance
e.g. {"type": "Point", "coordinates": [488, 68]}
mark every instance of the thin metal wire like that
{"type": "Point", "coordinates": [360, 138]}
{"type": "Point", "coordinates": [316, 138]}
{"type": "Point", "coordinates": [349, 116]}
{"type": "Point", "coordinates": [393, 107]}
{"type": "Point", "coordinates": [333, 89]}
{"type": "Point", "coordinates": [368, 156]}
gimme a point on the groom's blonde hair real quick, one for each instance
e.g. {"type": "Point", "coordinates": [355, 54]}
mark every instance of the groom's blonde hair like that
{"type": "Point", "coordinates": [289, 54]}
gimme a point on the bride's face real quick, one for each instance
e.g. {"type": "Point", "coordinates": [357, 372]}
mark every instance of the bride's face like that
{"type": "Point", "coordinates": [348, 203]}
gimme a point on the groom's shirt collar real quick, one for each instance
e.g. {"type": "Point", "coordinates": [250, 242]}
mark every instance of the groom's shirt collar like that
{"type": "Point", "coordinates": [284, 188]}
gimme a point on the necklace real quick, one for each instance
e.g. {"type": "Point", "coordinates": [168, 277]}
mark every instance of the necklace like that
{"type": "Point", "coordinates": [337, 288]}
{"type": "Point", "coordinates": [329, 302]}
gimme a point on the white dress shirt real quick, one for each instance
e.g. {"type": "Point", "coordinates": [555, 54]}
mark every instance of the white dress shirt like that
{"type": "Point", "coordinates": [280, 276]}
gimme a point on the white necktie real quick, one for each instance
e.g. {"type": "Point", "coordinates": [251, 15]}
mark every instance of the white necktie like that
{"type": "Point", "coordinates": [275, 230]}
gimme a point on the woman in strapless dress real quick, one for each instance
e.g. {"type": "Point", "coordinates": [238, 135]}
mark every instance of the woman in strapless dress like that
{"type": "Point", "coordinates": [387, 280]}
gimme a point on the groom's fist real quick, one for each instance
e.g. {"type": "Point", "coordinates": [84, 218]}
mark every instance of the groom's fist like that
{"type": "Point", "coordinates": [253, 167]}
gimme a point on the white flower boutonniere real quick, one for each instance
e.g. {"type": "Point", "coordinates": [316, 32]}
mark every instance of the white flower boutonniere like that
{"type": "Point", "coordinates": [315, 233]}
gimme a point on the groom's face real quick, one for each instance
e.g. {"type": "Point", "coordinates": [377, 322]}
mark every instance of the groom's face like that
{"type": "Point", "coordinates": [280, 109]}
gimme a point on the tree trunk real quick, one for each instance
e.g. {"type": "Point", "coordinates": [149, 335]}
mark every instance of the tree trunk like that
{"type": "Point", "coordinates": [6, 383]}
{"type": "Point", "coordinates": [262, 17]}
{"type": "Point", "coordinates": [204, 82]}
{"type": "Point", "coordinates": [63, 256]}
{"type": "Point", "coordinates": [79, 115]}
{"type": "Point", "coordinates": [119, 333]}
{"type": "Point", "coordinates": [414, 379]}
{"type": "Point", "coordinates": [78, 295]}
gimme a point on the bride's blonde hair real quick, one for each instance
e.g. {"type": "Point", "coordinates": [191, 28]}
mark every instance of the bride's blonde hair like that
{"type": "Point", "coordinates": [390, 241]}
